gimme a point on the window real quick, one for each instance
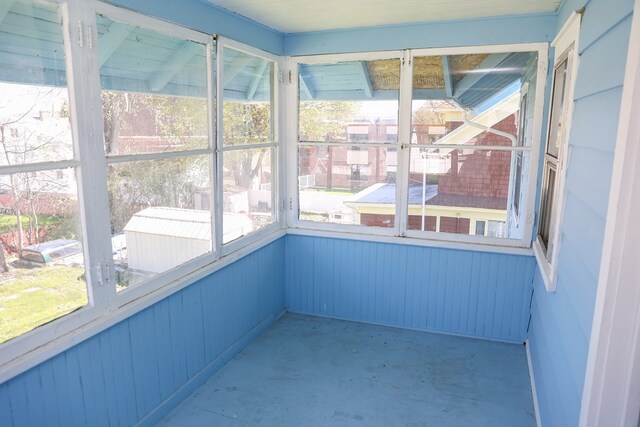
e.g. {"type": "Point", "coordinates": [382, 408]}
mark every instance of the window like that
{"type": "Point", "coordinates": [557, 149]}
{"type": "Point", "coordinates": [39, 205]}
{"type": "Point", "coordinates": [347, 137]}
{"type": "Point", "coordinates": [429, 146]}
{"type": "Point", "coordinates": [249, 143]}
{"type": "Point", "coordinates": [158, 151]}
{"type": "Point", "coordinates": [125, 170]}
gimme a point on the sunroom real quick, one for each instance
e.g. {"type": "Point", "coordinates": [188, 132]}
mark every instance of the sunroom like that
{"type": "Point", "coordinates": [221, 212]}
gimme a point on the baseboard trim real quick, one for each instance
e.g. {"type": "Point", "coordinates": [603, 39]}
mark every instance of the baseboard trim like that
{"type": "Point", "coordinates": [534, 391]}
{"type": "Point", "coordinates": [171, 402]}
{"type": "Point", "coordinates": [408, 328]}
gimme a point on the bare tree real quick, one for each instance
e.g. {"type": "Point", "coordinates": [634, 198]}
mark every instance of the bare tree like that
{"type": "Point", "coordinates": [23, 143]}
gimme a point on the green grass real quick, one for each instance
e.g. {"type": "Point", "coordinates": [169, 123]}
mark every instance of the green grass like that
{"type": "Point", "coordinates": [32, 297]}
{"type": "Point", "coordinates": [9, 222]}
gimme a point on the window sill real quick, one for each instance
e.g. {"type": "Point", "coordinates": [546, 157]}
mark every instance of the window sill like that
{"type": "Point", "coordinates": [413, 241]}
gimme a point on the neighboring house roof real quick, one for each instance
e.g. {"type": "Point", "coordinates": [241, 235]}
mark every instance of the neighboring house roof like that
{"type": "Point", "coordinates": [386, 194]}
{"type": "Point", "coordinates": [480, 202]}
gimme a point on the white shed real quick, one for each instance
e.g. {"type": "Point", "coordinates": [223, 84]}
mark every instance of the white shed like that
{"type": "Point", "coordinates": [160, 238]}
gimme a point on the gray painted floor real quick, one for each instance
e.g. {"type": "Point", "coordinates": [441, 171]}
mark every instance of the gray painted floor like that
{"type": "Point", "coordinates": [311, 371]}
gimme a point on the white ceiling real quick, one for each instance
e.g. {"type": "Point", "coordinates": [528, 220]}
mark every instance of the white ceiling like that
{"type": "Point", "coordinates": [294, 16]}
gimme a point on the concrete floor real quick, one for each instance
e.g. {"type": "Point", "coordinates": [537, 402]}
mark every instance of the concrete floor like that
{"type": "Point", "coordinates": [311, 371]}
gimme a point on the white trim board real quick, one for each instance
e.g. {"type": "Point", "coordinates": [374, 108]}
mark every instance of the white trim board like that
{"type": "Point", "coordinates": [532, 379]}
{"type": "Point", "coordinates": [611, 394]}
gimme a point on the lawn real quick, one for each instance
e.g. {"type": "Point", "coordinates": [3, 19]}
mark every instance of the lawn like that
{"type": "Point", "coordinates": [9, 222]}
{"type": "Point", "coordinates": [32, 297]}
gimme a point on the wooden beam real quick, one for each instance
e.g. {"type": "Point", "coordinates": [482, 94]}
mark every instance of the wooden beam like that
{"type": "Point", "coordinates": [446, 73]}
{"type": "Point", "coordinates": [110, 40]}
{"type": "Point", "coordinates": [257, 78]}
{"type": "Point", "coordinates": [232, 70]}
{"type": "Point", "coordinates": [174, 64]}
{"type": "Point", "coordinates": [5, 6]}
{"type": "Point", "coordinates": [306, 88]}
{"type": "Point", "coordinates": [366, 81]}
{"type": "Point", "coordinates": [471, 79]}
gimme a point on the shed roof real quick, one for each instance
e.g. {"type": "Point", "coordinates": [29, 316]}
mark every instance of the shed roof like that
{"type": "Point", "coordinates": [184, 223]}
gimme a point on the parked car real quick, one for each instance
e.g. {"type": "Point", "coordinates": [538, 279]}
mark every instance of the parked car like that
{"type": "Point", "coordinates": [59, 251]}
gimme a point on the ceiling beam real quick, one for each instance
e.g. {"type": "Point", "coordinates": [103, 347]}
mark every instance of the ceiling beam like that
{"type": "Point", "coordinates": [5, 6]}
{"type": "Point", "coordinates": [448, 79]}
{"type": "Point", "coordinates": [178, 60]}
{"type": "Point", "coordinates": [306, 88]}
{"type": "Point", "coordinates": [474, 76]}
{"type": "Point", "coordinates": [110, 40]}
{"type": "Point", "coordinates": [257, 78]}
{"type": "Point", "coordinates": [366, 80]}
{"type": "Point", "coordinates": [233, 69]}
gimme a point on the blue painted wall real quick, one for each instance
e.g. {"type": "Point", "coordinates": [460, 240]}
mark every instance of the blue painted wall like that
{"type": "Point", "coordinates": [203, 16]}
{"type": "Point", "coordinates": [120, 375]}
{"type": "Point", "coordinates": [561, 322]}
{"type": "Point", "coordinates": [460, 292]}
{"type": "Point", "coordinates": [503, 30]}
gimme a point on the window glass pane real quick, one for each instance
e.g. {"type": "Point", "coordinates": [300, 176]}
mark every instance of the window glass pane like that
{"type": "Point", "coordinates": [557, 108]}
{"type": "Point", "coordinates": [450, 188]}
{"type": "Point", "coordinates": [42, 274]}
{"type": "Point", "coordinates": [354, 101]}
{"type": "Point", "coordinates": [455, 97]}
{"type": "Point", "coordinates": [248, 91]}
{"type": "Point", "coordinates": [34, 102]}
{"type": "Point", "coordinates": [154, 96]}
{"type": "Point", "coordinates": [546, 209]}
{"type": "Point", "coordinates": [248, 202]}
{"type": "Point", "coordinates": [347, 185]}
{"type": "Point", "coordinates": [160, 215]}
{"type": "Point", "coordinates": [473, 101]}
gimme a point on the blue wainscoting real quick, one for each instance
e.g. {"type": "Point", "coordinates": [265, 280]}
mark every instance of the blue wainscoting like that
{"type": "Point", "coordinates": [123, 374]}
{"type": "Point", "coordinates": [468, 293]}
{"type": "Point", "coordinates": [561, 321]}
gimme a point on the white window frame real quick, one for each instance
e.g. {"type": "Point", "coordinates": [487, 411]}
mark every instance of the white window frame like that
{"type": "Point", "coordinates": [291, 101]}
{"type": "Point", "coordinates": [400, 231]}
{"type": "Point", "coordinates": [566, 45]}
{"type": "Point", "coordinates": [277, 118]}
{"type": "Point", "coordinates": [515, 217]}
{"type": "Point", "coordinates": [162, 27]}
{"type": "Point", "coordinates": [106, 307]}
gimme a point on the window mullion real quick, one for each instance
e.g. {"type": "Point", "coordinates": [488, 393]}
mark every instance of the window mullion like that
{"type": "Point", "coordinates": [291, 144]}
{"type": "Point", "coordinates": [86, 114]}
{"type": "Point", "coordinates": [212, 91]}
{"type": "Point", "coordinates": [404, 141]}
{"type": "Point", "coordinates": [217, 176]}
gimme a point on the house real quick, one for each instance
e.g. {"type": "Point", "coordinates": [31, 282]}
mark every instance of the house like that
{"type": "Point", "coordinates": [229, 98]}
